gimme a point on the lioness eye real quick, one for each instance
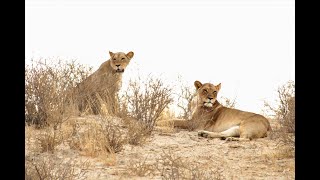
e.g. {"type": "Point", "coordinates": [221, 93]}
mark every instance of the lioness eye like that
{"type": "Point", "coordinates": [214, 92]}
{"type": "Point", "coordinates": [114, 59]}
{"type": "Point", "coordinates": [122, 58]}
{"type": "Point", "coordinates": [205, 91]}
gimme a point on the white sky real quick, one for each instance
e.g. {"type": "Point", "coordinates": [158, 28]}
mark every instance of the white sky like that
{"type": "Point", "coordinates": [247, 45]}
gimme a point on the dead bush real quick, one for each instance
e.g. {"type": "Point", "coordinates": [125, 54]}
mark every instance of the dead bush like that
{"type": "Point", "coordinates": [185, 96]}
{"type": "Point", "coordinates": [114, 136]}
{"type": "Point", "coordinates": [141, 168]}
{"type": "Point", "coordinates": [230, 103]}
{"type": "Point", "coordinates": [49, 139]}
{"type": "Point", "coordinates": [284, 113]}
{"type": "Point", "coordinates": [49, 168]}
{"type": "Point", "coordinates": [137, 132]}
{"type": "Point", "coordinates": [47, 86]}
{"type": "Point", "coordinates": [170, 166]}
{"type": "Point", "coordinates": [285, 110]}
{"type": "Point", "coordinates": [98, 137]}
{"type": "Point", "coordinates": [146, 100]}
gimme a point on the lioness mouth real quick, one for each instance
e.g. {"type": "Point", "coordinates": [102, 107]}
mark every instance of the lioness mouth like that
{"type": "Point", "coordinates": [207, 104]}
{"type": "Point", "coordinates": [120, 70]}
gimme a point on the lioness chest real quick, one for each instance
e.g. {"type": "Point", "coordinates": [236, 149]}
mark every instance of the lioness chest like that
{"type": "Point", "coordinates": [103, 78]}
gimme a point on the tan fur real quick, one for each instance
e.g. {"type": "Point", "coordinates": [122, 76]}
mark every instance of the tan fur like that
{"type": "Point", "coordinates": [105, 80]}
{"type": "Point", "coordinates": [216, 121]}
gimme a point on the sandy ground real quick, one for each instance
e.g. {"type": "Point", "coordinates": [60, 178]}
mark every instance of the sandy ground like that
{"type": "Point", "coordinates": [180, 154]}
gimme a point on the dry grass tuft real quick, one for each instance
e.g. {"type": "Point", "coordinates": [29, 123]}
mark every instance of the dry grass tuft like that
{"type": "Point", "coordinates": [98, 137]}
{"type": "Point", "coordinates": [49, 168]}
{"type": "Point", "coordinates": [49, 139]}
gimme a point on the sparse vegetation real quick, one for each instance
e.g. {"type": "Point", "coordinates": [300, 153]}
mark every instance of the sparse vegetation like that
{"type": "Point", "coordinates": [284, 113]}
{"type": "Point", "coordinates": [49, 139]}
{"type": "Point", "coordinates": [137, 132]}
{"type": "Point", "coordinates": [230, 103]}
{"type": "Point", "coordinates": [55, 131]}
{"type": "Point", "coordinates": [97, 136]}
{"type": "Point", "coordinates": [47, 89]}
{"type": "Point", "coordinates": [147, 100]}
{"type": "Point", "coordinates": [170, 166]}
{"type": "Point", "coordinates": [185, 96]}
{"type": "Point", "coordinates": [49, 168]}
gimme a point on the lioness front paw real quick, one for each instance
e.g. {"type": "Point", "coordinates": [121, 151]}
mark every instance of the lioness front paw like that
{"type": "Point", "coordinates": [203, 134]}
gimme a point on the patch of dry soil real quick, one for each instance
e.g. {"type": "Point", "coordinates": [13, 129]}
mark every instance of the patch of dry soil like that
{"type": "Point", "coordinates": [256, 159]}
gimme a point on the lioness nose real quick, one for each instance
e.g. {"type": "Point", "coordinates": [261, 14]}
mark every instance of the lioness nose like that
{"type": "Point", "coordinates": [210, 98]}
{"type": "Point", "coordinates": [118, 65]}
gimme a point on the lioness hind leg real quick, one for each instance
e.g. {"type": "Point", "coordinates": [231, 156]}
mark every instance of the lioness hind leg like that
{"type": "Point", "coordinates": [253, 129]}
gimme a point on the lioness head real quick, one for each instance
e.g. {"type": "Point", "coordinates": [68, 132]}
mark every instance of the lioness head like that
{"type": "Point", "coordinates": [207, 93]}
{"type": "Point", "coordinates": [120, 60]}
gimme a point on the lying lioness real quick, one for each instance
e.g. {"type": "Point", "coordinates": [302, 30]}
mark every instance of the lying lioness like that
{"type": "Point", "coordinates": [216, 121]}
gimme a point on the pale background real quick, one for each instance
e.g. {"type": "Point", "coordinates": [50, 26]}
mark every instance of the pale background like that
{"type": "Point", "coordinates": [247, 45]}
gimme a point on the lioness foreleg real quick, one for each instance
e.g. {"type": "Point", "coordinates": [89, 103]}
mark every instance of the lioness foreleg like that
{"type": "Point", "coordinates": [208, 134]}
{"type": "Point", "coordinates": [231, 132]}
{"type": "Point", "coordinates": [237, 139]}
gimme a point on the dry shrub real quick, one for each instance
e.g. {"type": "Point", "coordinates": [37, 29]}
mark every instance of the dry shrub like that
{"type": "Point", "coordinates": [230, 103]}
{"type": "Point", "coordinates": [146, 100]}
{"type": "Point", "coordinates": [49, 139]}
{"type": "Point", "coordinates": [141, 168]}
{"type": "Point", "coordinates": [284, 112]}
{"type": "Point", "coordinates": [137, 132]}
{"type": "Point", "coordinates": [102, 137]}
{"type": "Point", "coordinates": [170, 166]}
{"type": "Point", "coordinates": [185, 97]}
{"type": "Point", "coordinates": [47, 86]}
{"type": "Point", "coordinates": [49, 168]}
{"type": "Point", "coordinates": [114, 136]}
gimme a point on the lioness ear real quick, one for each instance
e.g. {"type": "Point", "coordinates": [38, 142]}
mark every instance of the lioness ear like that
{"type": "Point", "coordinates": [218, 86]}
{"type": "Point", "coordinates": [130, 54]}
{"type": "Point", "coordinates": [111, 54]}
{"type": "Point", "coordinates": [197, 84]}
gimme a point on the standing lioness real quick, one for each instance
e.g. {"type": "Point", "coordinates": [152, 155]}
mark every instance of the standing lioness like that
{"type": "Point", "coordinates": [102, 86]}
{"type": "Point", "coordinates": [216, 121]}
